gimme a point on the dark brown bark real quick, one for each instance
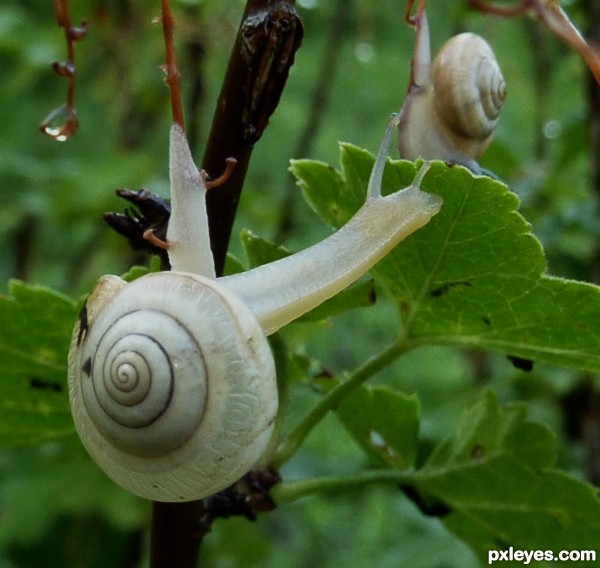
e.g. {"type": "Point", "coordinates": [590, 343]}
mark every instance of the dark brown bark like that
{"type": "Point", "coordinates": [264, 50]}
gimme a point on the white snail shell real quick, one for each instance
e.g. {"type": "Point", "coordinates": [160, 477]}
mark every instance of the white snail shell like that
{"type": "Point", "coordinates": [453, 113]}
{"type": "Point", "coordinates": [172, 385]}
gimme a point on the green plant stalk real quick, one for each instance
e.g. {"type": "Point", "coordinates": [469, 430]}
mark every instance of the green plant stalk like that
{"type": "Point", "coordinates": [290, 444]}
{"type": "Point", "coordinates": [293, 490]}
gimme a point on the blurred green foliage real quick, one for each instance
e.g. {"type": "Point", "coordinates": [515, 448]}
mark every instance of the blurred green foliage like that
{"type": "Point", "coordinates": [56, 508]}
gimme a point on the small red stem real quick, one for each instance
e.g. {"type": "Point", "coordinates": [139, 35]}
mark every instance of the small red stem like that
{"type": "Point", "coordinates": [170, 68]}
{"type": "Point", "coordinates": [67, 70]}
{"type": "Point", "coordinates": [414, 20]}
{"type": "Point", "coordinates": [557, 21]}
{"type": "Point", "coordinates": [507, 12]}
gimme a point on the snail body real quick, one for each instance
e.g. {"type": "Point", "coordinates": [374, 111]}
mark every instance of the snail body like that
{"type": "Point", "coordinates": [171, 380]}
{"type": "Point", "coordinates": [453, 103]}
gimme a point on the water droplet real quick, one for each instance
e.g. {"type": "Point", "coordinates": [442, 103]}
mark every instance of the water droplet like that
{"type": "Point", "coordinates": [552, 129]}
{"type": "Point", "coordinates": [364, 52]}
{"type": "Point", "coordinates": [61, 124]}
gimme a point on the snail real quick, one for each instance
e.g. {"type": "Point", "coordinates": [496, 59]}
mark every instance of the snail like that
{"type": "Point", "coordinates": [453, 103]}
{"type": "Point", "coordinates": [171, 381]}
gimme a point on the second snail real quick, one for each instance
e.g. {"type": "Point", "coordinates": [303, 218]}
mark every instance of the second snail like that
{"type": "Point", "coordinates": [453, 103]}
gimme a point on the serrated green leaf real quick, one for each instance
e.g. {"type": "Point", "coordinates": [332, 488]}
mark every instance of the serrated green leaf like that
{"type": "Point", "coordinates": [35, 332]}
{"type": "Point", "coordinates": [474, 275]}
{"type": "Point", "coordinates": [384, 422]}
{"type": "Point", "coordinates": [313, 176]}
{"type": "Point", "coordinates": [492, 478]}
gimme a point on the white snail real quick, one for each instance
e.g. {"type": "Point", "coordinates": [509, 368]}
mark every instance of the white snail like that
{"type": "Point", "coordinates": [171, 381]}
{"type": "Point", "coordinates": [453, 104]}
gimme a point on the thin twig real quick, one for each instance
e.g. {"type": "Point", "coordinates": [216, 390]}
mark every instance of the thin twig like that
{"type": "Point", "coordinates": [62, 122]}
{"type": "Point", "coordinates": [290, 491]}
{"type": "Point", "coordinates": [170, 66]}
{"type": "Point", "coordinates": [557, 21]}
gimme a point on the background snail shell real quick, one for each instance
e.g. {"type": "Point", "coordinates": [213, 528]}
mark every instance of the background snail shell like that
{"type": "Point", "coordinates": [469, 90]}
{"type": "Point", "coordinates": [162, 368]}
{"type": "Point", "coordinates": [451, 115]}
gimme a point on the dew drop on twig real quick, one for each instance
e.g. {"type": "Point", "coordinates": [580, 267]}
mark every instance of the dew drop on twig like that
{"type": "Point", "coordinates": [61, 124]}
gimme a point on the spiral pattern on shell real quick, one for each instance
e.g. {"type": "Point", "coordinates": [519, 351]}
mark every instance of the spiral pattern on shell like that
{"type": "Point", "coordinates": [469, 88]}
{"type": "Point", "coordinates": [135, 378]}
{"type": "Point", "coordinates": [172, 385]}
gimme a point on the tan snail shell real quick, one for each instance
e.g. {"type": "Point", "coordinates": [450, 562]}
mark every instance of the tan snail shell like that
{"type": "Point", "coordinates": [469, 91]}
{"type": "Point", "coordinates": [452, 112]}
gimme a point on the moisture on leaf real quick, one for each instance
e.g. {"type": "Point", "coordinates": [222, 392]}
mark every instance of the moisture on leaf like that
{"type": "Point", "coordinates": [384, 422]}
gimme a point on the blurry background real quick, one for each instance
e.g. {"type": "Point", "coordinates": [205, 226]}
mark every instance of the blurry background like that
{"type": "Point", "coordinates": [56, 508]}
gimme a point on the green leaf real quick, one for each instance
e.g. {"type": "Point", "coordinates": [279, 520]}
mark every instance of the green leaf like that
{"type": "Point", "coordinates": [491, 483]}
{"type": "Point", "coordinates": [384, 422]}
{"type": "Point", "coordinates": [135, 272]}
{"type": "Point", "coordinates": [34, 342]}
{"type": "Point", "coordinates": [138, 271]}
{"type": "Point", "coordinates": [487, 428]}
{"type": "Point", "coordinates": [261, 251]}
{"type": "Point", "coordinates": [474, 275]}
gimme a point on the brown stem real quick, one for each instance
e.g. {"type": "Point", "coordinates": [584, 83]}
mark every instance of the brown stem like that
{"type": "Point", "coordinates": [557, 21]}
{"type": "Point", "coordinates": [416, 19]}
{"type": "Point", "coordinates": [268, 37]}
{"type": "Point", "coordinates": [170, 67]}
{"type": "Point", "coordinates": [505, 11]}
{"type": "Point", "coordinates": [62, 122]}
{"type": "Point", "coordinates": [175, 534]}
